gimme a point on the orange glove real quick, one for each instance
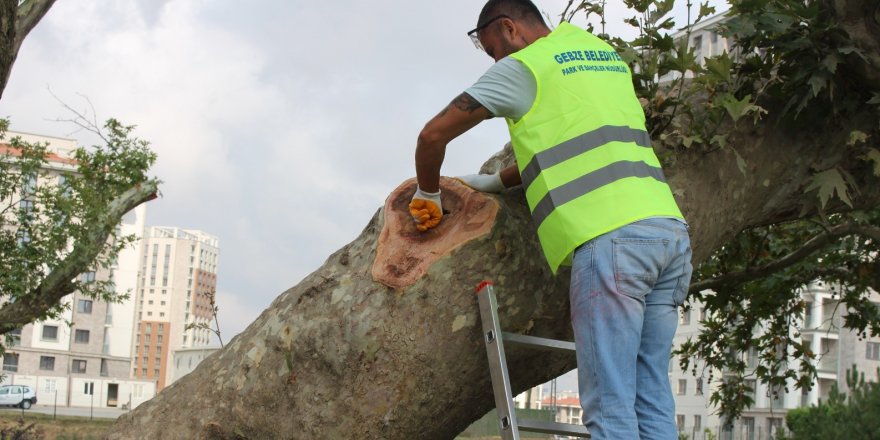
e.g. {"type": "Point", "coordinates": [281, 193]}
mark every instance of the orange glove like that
{"type": "Point", "coordinates": [426, 209]}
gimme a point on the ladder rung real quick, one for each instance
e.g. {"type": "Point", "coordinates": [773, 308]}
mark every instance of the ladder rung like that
{"type": "Point", "coordinates": [546, 427]}
{"type": "Point", "coordinates": [539, 343]}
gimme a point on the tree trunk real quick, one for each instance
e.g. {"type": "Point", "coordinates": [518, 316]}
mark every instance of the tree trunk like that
{"type": "Point", "coordinates": [343, 355]}
{"type": "Point", "coordinates": [383, 341]}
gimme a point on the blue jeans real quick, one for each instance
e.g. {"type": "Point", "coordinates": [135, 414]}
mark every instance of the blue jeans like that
{"type": "Point", "coordinates": [626, 287]}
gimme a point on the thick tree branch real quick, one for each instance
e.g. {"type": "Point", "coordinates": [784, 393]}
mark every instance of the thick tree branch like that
{"type": "Point", "coordinates": [814, 244]}
{"type": "Point", "coordinates": [861, 20]}
{"type": "Point", "coordinates": [59, 282]}
{"type": "Point", "coordinates": [16, 22]}
{"type": "Point", "coordinates": [28, 15]}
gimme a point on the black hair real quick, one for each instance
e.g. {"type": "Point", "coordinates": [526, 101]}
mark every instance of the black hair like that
{"type": "Point", "coordinates": [516, 9]}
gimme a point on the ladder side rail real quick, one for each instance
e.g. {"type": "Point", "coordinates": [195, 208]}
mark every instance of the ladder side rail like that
{"type": "Point", "coordinates": [497, 364]}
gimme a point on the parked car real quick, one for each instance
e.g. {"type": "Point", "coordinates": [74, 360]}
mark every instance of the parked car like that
{"type": "Point", "coordinates": [17, 395]}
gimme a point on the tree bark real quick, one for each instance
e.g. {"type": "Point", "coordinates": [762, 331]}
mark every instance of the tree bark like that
{"type": "Point", "coordinates": [17, 19]}
{"type": "Point", "coordinates": [383, 341]}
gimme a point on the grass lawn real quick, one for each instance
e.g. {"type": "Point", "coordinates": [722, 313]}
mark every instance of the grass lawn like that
{"type": "Point", "coordinates": [62, 428]}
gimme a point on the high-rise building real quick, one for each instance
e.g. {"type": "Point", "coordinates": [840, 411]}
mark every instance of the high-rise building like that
{"type": "Point", "coordinates": [83, 357]}
{"type": "Point", "coordinates": [177, 282]}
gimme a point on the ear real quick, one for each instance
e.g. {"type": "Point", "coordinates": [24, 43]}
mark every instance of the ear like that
{"type": "Point", "coordinates": [509, 28]}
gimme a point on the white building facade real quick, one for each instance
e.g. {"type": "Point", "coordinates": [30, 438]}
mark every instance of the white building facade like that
{"type": "Point", "coordinates": [837, 350]}
{"type": "Point", "coordinates": [86, 363]}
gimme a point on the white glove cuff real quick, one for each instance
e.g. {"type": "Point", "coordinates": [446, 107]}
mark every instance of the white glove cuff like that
{"type": "Point", "coordinates": [424, 195]}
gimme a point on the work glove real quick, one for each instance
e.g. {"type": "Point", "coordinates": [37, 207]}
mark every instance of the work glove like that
{"type": "Point", "coordinates": [426, 209]}
{"type": "Point", "coordinates": [490, 183]}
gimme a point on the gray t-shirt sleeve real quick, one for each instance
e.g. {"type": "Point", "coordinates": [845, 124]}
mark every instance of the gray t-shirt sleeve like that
{"type": "Point", "coordinates": [507, 89]}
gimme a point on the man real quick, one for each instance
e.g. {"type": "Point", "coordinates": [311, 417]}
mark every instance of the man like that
{"type": "Point", "coordinates": [598, 196]}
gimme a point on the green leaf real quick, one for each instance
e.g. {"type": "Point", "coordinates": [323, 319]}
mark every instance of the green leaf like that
{"type": "Point", "coordinates": [873, 155]}
{"type": "Point", "coordinates": [687, 141]}
{"type": "Point", "coordinates": [818, 82]}
{"type": "Point", "coordinates": [705, 11]}
{"type": "Point", "coordinates": [719, 66]}
{"type": "Point", "coordinates": [740, 162]}
{"type": "Point", "coordinates": [856, 137]}
{"type": "Point", "coordinates": [828, 183]}
{"type": "Point", "coordinates": [831, 61]}
{"type": "Point", "coordinates": [875, 100]}
{"type": "Point", "coordinates": [720, 140]}
{"type": "Point", "coordinates": [737, 108]}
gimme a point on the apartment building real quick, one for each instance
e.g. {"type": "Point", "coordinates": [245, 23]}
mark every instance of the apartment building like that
{"type": "Point", "coordinates": [837, 350]}
{"type": "Point", "coordinates": [706, 41]}
{"type": "Point", "coordinates": [178, 279]}
{"type": "Point", "coordinates": [83, 357]}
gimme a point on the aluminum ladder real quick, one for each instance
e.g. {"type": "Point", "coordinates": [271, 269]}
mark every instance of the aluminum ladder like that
{"type": "Point", "coordinates": [495, 339]}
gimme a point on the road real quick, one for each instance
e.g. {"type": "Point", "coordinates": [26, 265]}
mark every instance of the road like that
{"type": "Point", "coordinates": [99, 413]}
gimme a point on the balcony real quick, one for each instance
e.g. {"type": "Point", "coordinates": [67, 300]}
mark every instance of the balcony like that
{"type": "Point", "coordinates": [828, 365]}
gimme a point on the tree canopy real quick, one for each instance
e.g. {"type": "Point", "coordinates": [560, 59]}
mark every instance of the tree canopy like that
{"type": "Point", "coordinates": [59, 218]}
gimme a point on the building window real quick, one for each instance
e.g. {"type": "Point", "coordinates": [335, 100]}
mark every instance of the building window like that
{"type": "Point", "coordinates": [26, 206]}
{"type": "Point", "coordinates": [682, 387]}
{"type": "Point", "coordinates": [159, 338]}
{"type": "Point", "coordinates": [156, 373]}
{"type": "Point", "coordinates": [700, 386]}
{"type": "Point", "coordinates": [698, 423]}
{"type": "Point", "coordinates": [13, 338]}
{"type": "Point", "coordinates": [84, 306]}
{"type": "Point", "coordinates": [50, 333]}
{"type": "Point", "coordinates": [49, 386]}
{"type": "Point", "coordinates": [10, 362]}
{"type": "Point", "coordinates": [78, 366]}
{"type": "Point", "coordinates": [88, 277]}
{"type": "Point", "coordinates": [149, 313]}
{"type": "Point", "coordinates": [89, 388]}
{"type": "Point", "coordinates": [105, 371]}
{"type": "Point", "coordinates": [81, 337]}
{"type": "Point", "coordinates": [161, 314]}
{"type": "Point", "coordinates": [685, 318]}
{"type": "Point", "coordinates": [161, 328]}
{"type": "Point", "coordinates": [873, 351]}
{"type": "Point", "coordinates": [702, 313]}
{"type": "Point", "coordinates": [679, 422]}
{"type": "Point", "coordinates": [751, 386]}
{"type": "Point", "coordinates": [808, 314]}
{"type": "Point", "coordinates": [47, 363]}
{"type": "Point", "coordinates": [748, 428]}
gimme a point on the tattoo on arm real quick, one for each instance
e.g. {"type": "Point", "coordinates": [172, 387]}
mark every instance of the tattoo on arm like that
{"type": "Point", "coordinates": [466, 103]}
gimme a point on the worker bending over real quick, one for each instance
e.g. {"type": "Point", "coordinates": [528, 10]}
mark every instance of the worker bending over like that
{"type": "Point", "coordinates": [598, 196]}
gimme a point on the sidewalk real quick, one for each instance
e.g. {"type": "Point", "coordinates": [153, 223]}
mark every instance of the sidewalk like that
{"type": "Point", "coordinates": [98, 413]}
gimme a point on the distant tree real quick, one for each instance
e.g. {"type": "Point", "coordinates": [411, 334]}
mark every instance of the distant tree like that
{"type": "Point", "coordinates": [844, 417]}
{"type": "Point", "coordinates": [17, 19]}
{"type": "Point", "coordinates": [55, 226]}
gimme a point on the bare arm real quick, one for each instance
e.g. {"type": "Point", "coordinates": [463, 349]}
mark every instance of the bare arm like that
{"type": "Point", "coordinates": [510, 176]}
{"type": "Point", "coordinates": [462, 114]}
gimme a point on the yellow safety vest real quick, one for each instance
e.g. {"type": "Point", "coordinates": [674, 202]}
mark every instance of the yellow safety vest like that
{"type": "Point", "coordinates": [584, 154]}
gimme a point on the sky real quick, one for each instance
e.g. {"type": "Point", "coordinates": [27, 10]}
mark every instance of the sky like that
{"type": "Point", "coordinates": [280, 126]}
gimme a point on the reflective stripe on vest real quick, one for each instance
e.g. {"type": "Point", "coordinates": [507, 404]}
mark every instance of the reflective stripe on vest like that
{"type": "Point", "coordinates": [589, 182]}
{"type": "Point", "coordinates": [580, 145]}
